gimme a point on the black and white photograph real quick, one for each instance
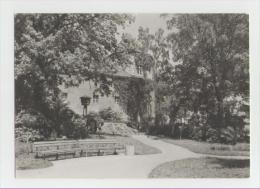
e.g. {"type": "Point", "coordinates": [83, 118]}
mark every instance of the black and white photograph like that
{"type": "Point", "coordinates": [132, 95]}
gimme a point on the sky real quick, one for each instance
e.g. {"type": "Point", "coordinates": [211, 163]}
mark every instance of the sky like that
{"type": "Point", "coordinates": [152, 21]}
{"type": "Point", "coordinates": [147, 20]}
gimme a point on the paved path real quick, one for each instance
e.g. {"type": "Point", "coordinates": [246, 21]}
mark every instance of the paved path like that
{"type": "Point", "coordinates": [138, 166]}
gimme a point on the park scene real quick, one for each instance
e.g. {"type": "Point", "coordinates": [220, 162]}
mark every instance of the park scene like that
{"type": "Point", "coordinates": [106, 95]}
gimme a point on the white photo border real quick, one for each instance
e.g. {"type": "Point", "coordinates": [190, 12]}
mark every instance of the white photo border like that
{"type": "Point", "coordinates": [7, 10]}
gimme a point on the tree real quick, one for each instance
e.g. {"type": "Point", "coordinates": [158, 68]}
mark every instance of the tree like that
{"type": "Point", "coordinates": [134, 98]}
{"type": "Point", "coordinates": [63, 49]}
{"type": "Point", "coordinates": [147, 50]}
{"type": "Point", "coordinates": [211, 55]}
{"type": "Point", "coordinates": [154, 53]}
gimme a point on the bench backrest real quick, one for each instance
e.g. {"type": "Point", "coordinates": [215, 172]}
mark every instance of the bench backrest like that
{"type": "Point", "coordinates": [54, 145]}
{"type": "Point", "coordinates": [81, 144]}
{"type": "Point", "coordinates": [97, 144]}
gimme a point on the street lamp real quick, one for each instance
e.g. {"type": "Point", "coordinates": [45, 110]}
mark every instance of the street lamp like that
{"type": "Point", "coordinates": [85, 101]}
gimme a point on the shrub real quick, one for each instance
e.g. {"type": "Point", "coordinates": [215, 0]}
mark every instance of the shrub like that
{"type": "Point", "coordinates": [133, 124]}
{"type": "Point", "coordinates": [25, 134]}
{"type": "Point", "coordinates": [221, 147]}
{"type": "Point", "coordinates": [108, 114]}
{"type": "Point", "coordinates": [32, 123]}
{"type": "Point", "coordinates": [148, 123]}
{"type": "Point", "coordinates": [94, 122]}
{"type": "Point", "coordinates": [197, 133]}
{"type": "Point", "coordinates": [95, 117]}
{"type": "Point", "coordinates": [227, 135]}
{"type": "Point", "coordinates": [80, 130]}
{"type": "Point", "coordinates": [245, 134]}
{"type": "Point", "coordinates": [212, 135]}
{"type": "Point", "coordinates": [161, 119]}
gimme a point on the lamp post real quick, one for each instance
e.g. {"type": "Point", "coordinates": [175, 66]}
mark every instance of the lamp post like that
{"type": "Point", "coordinates": [85, 101]}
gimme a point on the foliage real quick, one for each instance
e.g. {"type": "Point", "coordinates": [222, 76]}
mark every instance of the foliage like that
{"type": "Point", "coordinates": [134, 97]}
{"type": "Point", "coordinates": [154, 46]}
{"type": "Point", "coordinates": [94, 122]}
{"type": "Point", "coordinates": [25, 134]}
{"type": "Point", "coordinates": [227, 135]}
{"type": "Point", "coordinates": [31, 126]}
{"type": "Point", "coordinates": [200, 73]}
{"type": "Point", "coordinates": [210, 52]}
{"type": "Point", "coordinates": [118, 129]}
{"type": "Point", "coordinates": [62, 117]}
{"type": "Point", "coordinates": [63, 49]}
{"type": "Point", "coordinates": [108, 114]}
{"type": "Point", "coordinates": [80, 130]}
{"type": "Point", "coordinates": [154, 54]}
{"type": "Point", "coordinates": [96, 116]}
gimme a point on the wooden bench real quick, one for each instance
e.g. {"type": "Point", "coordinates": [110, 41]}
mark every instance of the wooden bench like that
{"type": "Point", "coordinates": [55, 149]}
{"type": "Point", "coordinates": [100, 147]}
{"type": "Point", "coordinates": [76, 148]}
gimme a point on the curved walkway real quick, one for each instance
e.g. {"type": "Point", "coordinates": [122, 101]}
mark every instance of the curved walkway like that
{"type": "Point", "coordinates": [138, 166]}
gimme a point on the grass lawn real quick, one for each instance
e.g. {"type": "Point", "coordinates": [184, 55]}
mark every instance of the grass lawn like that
{"type": "Point", "coordinates": [202, 168]}
{"type": "Point", "coordinates": [29, 162]}
{"type": "Point", "coordinates": [24, 159]}
{"type": "Point", "coordinates": [140, 148]}
{"type": "Point", "coordinates": [240, 149]}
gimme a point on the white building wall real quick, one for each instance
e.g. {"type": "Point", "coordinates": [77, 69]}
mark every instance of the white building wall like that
{"type": "Point", "coordinates": [87, 89]}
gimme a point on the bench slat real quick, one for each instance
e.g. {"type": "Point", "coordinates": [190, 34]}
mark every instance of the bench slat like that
{"type": "Point", "coordinates": [88, 146]}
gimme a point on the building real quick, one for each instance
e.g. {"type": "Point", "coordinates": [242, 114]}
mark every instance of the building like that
{"type": "Point", "coordinates": [99, 101]}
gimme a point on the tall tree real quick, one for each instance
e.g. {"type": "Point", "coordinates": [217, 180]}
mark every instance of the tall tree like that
{"type": "Point", "coordinates": [212, 55]}
{"type": "Point", "coordinates": [56, 49]}
{"type": "Point", "coordinates": [154, 53]}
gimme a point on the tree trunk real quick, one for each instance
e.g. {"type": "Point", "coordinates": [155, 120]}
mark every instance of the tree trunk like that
{"type": "Point", "coordinates": [220, 117]}
{"type": "Point", "coordinates": [173, 116]}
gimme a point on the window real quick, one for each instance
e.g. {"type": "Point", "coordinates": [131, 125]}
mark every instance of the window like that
{"type": "Point", "coordinates": [139, 69]}
{"type": "Point", "coordinates": [116, 99]}
{"type": "Point", "coordinates": [95, 98]}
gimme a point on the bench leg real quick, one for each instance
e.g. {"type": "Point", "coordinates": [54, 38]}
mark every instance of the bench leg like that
{"type": "Point", "coordinates": [44, 156]}
{"type": "Point", "coordinates": [57, 156]}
